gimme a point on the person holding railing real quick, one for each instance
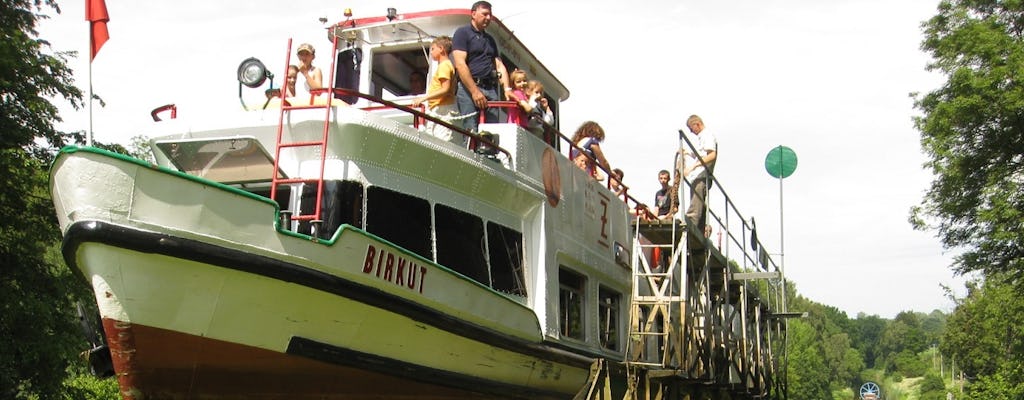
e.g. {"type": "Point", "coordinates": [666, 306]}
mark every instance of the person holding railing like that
{"type": "Point", "coordinates": [589, 137]}
{"type": "Point", "coordinates": [520, 115]}
{"type": "Point", "coordinates": [440, 97]}
{"type": "Point", "coordinates": [698, 168]}
{"type": "Point", "coordinates": [479, 67]}
{"type": "Point", "coordinates": [615, 182]}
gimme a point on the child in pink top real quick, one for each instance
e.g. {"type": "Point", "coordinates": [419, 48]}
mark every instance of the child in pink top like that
{"type": "Point", "coordinates": [521, 114]}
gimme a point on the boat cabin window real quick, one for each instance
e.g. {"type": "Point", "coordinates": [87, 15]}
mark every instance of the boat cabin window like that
{"type": "Point", "coordinates": [505, 248]}
{"type": "Point", "coordinates": [399, 218]}
{"type": "Point", "coordinates": [341, 203]}
{"type": "Point", "coordinates": [460, 243]}
{"type": "Point", "coordinates": [461, 246]}
{"type": "Point", "coordinates": [224, 160]}
{"type": "Point", "coordinates": [571, 290]}
{"type": "Point", "coordinates": [392, 69]}
{"type": "Point", "coordinates": [608, 318]}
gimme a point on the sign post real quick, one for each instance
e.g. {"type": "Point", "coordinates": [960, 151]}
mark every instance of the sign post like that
{"type": "Point", "coordinates": [781, 163]}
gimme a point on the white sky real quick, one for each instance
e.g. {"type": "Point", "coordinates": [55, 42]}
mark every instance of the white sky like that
{"type": "Point", "coordinates": [830, 79]}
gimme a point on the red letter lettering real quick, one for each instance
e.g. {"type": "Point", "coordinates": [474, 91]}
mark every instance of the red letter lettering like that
{"type": "Point", "coordinates": [604, 219]}
{"type": "Point", "coordinates": [400, 274]}
{"type": "Point", "coordinates": [368, 264]}
{"type": "Point", "coordinates": [412, 275]}
{"type": "Point", "coordinates": [423, 277]}
{"type": "Point", "coordinates": [389, 267]}
{"type": "Point", "coordinates": [380, 261]}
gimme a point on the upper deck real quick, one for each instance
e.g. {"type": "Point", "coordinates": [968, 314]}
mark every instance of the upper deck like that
{"type": "Point", "coordinates": [377, 55]}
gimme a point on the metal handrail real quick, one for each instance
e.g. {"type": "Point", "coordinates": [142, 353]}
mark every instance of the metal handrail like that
{"type": "Point", "coordinates": [730, 209]}
{"type": "Point", "coordinates": [416, 113]}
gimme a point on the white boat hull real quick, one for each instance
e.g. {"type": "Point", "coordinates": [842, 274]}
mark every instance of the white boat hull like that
{"type": "Point", "coordinates": [197, 312]}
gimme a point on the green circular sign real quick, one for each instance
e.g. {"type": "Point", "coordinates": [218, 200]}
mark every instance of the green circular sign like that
{"type": "Point", "coordinates": [780, 162]}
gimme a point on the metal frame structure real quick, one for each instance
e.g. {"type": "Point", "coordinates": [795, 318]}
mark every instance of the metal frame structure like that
{"type": "Point", "coordinates": [705, 324]}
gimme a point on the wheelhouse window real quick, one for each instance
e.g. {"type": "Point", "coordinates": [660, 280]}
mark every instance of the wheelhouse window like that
{"type": "Point", "coordinates": [399, 218]}
{"type": "Point", "coordinates": [226, 160]}
{"type": "Point", "coordinates": [571, 296]}
{"type": "Point", "coordinates": [608, 317]}
{"type": "Point", "coordinates": [505, 248]}
{"type": "Point", "coordinates": [393, 70]}
{"type": "Point", "coordinates": [460, 243]}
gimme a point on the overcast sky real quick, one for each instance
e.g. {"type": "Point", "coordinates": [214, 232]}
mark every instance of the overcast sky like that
{"type": "Point", "coordinates": [829, 79]}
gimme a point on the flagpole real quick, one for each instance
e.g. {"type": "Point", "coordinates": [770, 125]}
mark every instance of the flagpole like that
{"type": "Point", "coordinates": [88, 134]}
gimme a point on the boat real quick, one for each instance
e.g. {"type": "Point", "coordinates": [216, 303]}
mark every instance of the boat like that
{"type": "Point", "coordinates": [343, 251]}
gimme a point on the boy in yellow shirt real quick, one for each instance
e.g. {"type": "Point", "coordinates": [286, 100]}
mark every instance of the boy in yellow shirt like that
{"type": "Point", "coordinates": [440, 95]}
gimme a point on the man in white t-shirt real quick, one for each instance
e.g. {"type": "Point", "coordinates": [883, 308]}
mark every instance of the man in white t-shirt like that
{"type": "Point", "coordinates": [694, 168]}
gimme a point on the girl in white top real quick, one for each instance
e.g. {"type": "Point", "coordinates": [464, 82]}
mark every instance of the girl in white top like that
{"type": "Point", "coordinates": [313, 76]}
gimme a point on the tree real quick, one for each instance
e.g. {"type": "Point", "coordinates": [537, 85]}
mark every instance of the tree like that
{"type": "Point", "coordinates": [866, 332]}
{"type": "Point", "coordinates": [985, 334]}
{"type": "Point", "coordinates": [972, 128]}
{"type": "Point", "coordinates": [808, 377]}
{"type": "Point", "coordinates": [38, 335]}
{"type": "Point", "coordinates": [30, 77]}
{"type": "Point", "coordinates": [932, 387]}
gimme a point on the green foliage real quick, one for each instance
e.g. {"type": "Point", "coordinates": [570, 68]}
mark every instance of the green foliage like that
{"type": "Point", "coordinates": [808, 377]}
{"type": "Point", "coordinates": [902, 337]}
{"type": "Point", "coordinates": [38, 335]}
{"type": "Point", "coordinates": [866, 334]}
{"type": "Point", "coordinates": [972, 129]}
{"type": "Point", "coordinates": [997, 386]}
{"type": "Point", "coordinates": [932, 388]}
{"type": "Point", "coordinates": [83, 386]}
{"type": "Point", "coordinates": [985, 335]}
{"type": "Point", "coordinates": [908, 364]}
{"type": "Point", "coordinates": [140, 148]}
{"type": "Point", "coordinates": [29, 77]}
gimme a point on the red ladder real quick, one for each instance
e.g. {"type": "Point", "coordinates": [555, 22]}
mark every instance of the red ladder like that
{"type": "Point", "coordinates": [277, 179]}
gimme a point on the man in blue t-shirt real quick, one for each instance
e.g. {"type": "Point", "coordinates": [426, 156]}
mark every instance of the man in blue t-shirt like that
{"type": "Point", "coordinates": [478, 65]}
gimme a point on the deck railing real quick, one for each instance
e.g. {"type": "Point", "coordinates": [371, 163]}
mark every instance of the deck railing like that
{"type": "Point", "coordinates": [739, 234]}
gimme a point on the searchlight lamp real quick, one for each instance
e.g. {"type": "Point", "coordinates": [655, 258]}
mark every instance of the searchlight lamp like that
{"type": "Point", "coordinates": [252, 74]}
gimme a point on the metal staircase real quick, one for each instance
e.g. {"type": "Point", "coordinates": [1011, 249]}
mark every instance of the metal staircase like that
{"type": "Point", "coordinates": [657, 298]}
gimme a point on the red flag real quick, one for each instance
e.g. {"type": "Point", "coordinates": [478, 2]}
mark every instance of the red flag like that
{"type": "Point", "coordinates": [96, 14]}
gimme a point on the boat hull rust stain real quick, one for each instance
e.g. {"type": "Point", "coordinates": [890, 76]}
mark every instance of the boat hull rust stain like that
{"type": "Point", "coordinates": [191, 366]}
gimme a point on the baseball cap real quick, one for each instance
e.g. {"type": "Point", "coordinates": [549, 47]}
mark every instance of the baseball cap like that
{"type": "Point", "coordinates": [306, 47]}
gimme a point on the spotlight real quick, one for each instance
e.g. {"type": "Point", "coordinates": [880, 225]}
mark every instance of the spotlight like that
{"type": "Point", "coordinates": [252, 73]}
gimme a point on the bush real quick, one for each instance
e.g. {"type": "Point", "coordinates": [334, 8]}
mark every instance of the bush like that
{"type": "Point", "coordinates": [909, 364]}
{"type": "Point", "coordinates": [932, 387]}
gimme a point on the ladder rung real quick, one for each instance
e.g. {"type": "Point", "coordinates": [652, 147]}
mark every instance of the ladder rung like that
{"type": "Point", "coordinates": [297, 180]}
{"type": "Point", "coordinates": [655, 274]}
{"type": "Point", "coordinates": [305, 107]}
{"type": "Point", "coordinates": [646, 364]}
{"type": "Point", "coordinates": [309, 217]}
{"type": "Point", "coordinates": [657, 299]}
{"type": "Point", "coordinates": [657, 246]}
{"type": "Point", "coordinates": [301, 144]}
{"type": "Point", "coordinates": [639, 333]}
